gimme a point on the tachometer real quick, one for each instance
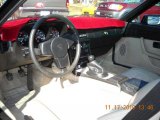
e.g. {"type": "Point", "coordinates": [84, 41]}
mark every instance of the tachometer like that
{"type": "Point", "coordinates": [54, 33]}
{"type": "Point", "coordinates": [23, 38]}
{"type": "Point", "coordinates": [40, 36]}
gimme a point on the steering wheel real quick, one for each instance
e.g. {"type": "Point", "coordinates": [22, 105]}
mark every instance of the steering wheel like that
{"type": "Point", "coordinates": [56, 47]}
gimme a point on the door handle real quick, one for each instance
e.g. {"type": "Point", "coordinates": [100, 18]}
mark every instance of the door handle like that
{"type": "Point", "coordinates": [156, 45]}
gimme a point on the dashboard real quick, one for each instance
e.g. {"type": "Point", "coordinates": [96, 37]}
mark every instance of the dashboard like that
{"type": "Point", "coordinates": [93, 41]}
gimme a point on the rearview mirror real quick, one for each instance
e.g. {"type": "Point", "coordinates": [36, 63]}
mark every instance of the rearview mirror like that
{"type": "Point", "coordinates": [151, 20]}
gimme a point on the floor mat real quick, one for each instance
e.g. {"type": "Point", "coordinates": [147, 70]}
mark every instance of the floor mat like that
{"type": "Point", "coordinates": [84, 100]}
{"type": "Point", "coordinates": [13, 96]}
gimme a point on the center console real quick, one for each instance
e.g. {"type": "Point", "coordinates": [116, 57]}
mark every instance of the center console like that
{"type": "Point", "coordinates": [86, 60]}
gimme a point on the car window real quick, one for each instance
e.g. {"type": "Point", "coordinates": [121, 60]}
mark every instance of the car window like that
{"type": "Point", "coordinates": [155, 10]}
{"type": "Point", "coordinates": [158, 4]}
{"type": "Point", "coordinates": [2, 2]}
{"type": "Point", "coordinates": [133, 1]}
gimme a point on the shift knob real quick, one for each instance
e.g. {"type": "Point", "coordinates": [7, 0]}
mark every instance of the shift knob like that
{"type": "Point", "coordinates": [91, 58]}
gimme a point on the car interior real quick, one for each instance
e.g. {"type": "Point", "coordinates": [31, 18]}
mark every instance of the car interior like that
{"type": "Point", "coordinates": [80, 68]}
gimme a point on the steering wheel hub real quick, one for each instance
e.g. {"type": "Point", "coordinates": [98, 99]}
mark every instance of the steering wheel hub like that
{"type": "Point", "coordinates": [59, 47]}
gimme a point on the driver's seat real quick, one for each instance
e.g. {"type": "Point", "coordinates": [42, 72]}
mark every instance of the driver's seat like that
{"type": "Point", "coordinates": [121, 114]}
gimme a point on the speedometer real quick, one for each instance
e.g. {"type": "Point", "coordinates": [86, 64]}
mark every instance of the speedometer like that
{"type": "Point", "coordinates": [40, 36]}
{"type": "Point", "coordinates": [23, 38]}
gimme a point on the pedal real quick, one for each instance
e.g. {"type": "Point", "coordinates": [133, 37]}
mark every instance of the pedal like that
{"type": "Point", "coordinates": [9, 76]}
{"type": "Point", "coordinates": [26, 117]}
{"type": "Point", "coordinates": [21, 72]}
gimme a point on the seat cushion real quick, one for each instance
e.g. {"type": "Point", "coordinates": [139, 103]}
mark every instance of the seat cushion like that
{"type": "Point", "coordinates": [142, 74]}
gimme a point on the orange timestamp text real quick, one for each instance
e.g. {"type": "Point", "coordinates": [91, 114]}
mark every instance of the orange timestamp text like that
{"type": "Point", "coordinates": [129, 107]}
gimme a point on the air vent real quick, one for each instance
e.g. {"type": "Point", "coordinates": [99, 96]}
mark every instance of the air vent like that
{"type": "Point", "coordinates": [122, 50]}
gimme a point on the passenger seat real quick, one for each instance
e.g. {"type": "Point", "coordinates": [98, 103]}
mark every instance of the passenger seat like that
{"type": "Point", "coordinates": [142, 74]}
{"type": "Point", "coordinates": [137, 78]}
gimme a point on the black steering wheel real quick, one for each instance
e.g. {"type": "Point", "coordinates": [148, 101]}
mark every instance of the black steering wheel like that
{"type": "Point", "coordinates": [56, 47]}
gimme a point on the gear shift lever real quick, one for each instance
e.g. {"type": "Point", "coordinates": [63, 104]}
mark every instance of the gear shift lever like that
{"type": "Point", "coordinates": [91, 58]}
{"type": "Point", "coordinates": [93, 65]}
{"type": "Point", "coordinates": [94, 68]}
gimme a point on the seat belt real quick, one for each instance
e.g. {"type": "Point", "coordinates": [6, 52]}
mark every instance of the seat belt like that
{"type": "Point", "coordinates": [147, 107]}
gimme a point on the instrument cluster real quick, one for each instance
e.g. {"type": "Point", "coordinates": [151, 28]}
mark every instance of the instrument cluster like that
{"type": "Point", "coordinates": [41, 35]}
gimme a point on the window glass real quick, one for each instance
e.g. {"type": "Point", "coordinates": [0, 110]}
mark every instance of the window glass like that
{"type": "Point", "coordinates": [153, 12]}
{"type": "Point", "coordinates": [98, 8]}
{"type": "Point", "coordinates": [133, 1]}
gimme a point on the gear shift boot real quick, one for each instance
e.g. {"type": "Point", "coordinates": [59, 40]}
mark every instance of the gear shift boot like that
{"type": "Point", "coordinates": [95, 69]}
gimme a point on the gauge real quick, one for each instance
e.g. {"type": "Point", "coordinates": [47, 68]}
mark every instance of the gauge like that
{"type": "Point", "coordinates": [54, 33]}
{"type": "Point", "coordinates": [23, 38]}
{"type": "Point", "coordinates": [40, 36]}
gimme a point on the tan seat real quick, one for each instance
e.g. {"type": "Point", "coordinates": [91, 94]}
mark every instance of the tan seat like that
{"type": "Point", "coordinates": [120, 114]}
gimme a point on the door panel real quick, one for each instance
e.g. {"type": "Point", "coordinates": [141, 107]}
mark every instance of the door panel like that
{"type": "Point", "coordinates": [137, 51]}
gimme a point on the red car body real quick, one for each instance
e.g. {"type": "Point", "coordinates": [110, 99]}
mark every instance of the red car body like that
{"type": "Point", "coordinates": [118, 9]}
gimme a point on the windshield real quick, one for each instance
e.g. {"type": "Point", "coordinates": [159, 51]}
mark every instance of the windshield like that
{"type": "Point", "coordinates": [2, 2]}
{"type": "Point", "coordinates": [98, 8]}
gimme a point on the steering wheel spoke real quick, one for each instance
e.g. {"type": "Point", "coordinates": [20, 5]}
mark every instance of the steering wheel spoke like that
{"type": "Point", "coordinates": [64, 30]}
{"type": "Point", "coordinates": [45, 48]}
{"type": "Point", "coordinates": [70, 42]}
{"type": "Point", "coordinates": [62, 62]}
